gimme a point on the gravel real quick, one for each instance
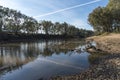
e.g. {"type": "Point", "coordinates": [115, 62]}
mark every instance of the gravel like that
{"type": "Point", "coordinates": [107, 68]}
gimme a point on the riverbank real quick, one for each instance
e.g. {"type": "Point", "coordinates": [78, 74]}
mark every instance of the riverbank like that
{"type": "Point", "coordinates": [23, 37]}
{"type": "Point", "coordinates": [109, 43]}
{"type": "Point", "coordinates": [106, 67]}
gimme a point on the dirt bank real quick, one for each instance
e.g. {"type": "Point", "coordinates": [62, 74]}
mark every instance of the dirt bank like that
{"type": "Point", "coordinates": [109, 43]}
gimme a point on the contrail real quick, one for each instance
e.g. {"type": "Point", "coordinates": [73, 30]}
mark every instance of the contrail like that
{"type": "Point", "coordinates": [65, 9]}
{"type": "Point", "coordinates": [58, 63]}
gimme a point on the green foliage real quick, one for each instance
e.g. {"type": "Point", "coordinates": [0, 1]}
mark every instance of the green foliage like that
{"type": "Point", "coordinates": [30, 25]}
{"type": "Point", "coordinates": [15, 22]}
{"type": "Point", "coordinates": [106, 19]}
{"type": "Point", "coordinates": [47, 26]}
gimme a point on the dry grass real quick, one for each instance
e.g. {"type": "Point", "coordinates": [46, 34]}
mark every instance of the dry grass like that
{"type": "Point", "coordinates": [110, 42]}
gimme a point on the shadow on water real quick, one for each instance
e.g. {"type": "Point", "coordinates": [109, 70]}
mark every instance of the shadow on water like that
{"type": "Point", "coordinates": [41, 60]}
{"type": "Point", "coordinates": [94, 58]}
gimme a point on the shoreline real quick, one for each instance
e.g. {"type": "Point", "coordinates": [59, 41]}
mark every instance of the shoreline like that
{"type": "Point", "coordinates": [103, 69]}
{"type": "Point", "coordinates": [107, 66]}
{"type": "Point", "coordinates": [23, 37]}
{"type": "Point", "coordinates": [109, 43]}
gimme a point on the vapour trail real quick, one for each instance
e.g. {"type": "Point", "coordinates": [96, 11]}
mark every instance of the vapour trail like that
{"type": "Point", "coordinates": [65, 9]}
{"type": "Point", "coordinates": [58, 63]}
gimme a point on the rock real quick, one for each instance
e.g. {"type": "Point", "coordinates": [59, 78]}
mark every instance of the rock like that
{"type": "Point", "coordinates": [91, 50]}
{"type": "Point", "coordinates": [99, 69]}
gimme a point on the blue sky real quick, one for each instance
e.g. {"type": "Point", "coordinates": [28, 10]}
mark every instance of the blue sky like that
{"type": "Point", "coordinates": [55, 10]}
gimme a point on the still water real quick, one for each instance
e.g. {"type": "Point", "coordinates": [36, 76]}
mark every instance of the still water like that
{"type": "Point", "coordinates": [42, 59]}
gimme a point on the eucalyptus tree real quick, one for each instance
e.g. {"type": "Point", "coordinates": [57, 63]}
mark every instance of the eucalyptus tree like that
{"type": "Point", "coordinates": [38, 27]}
{"type": "Point", "coordinates": [2, 16]}
{"type": "Point", "coordinates": [114, 7]}
{"type": "Point", "coordinates": [106, 19]}
{"type": "Point", "coordinates": [64, 27]}
{"type": "Point", "coordinates": [30, 25]}
{"type": "Point", "coordinates": [71, 30]}
{"type": "Point", "coordinates": [101, 20]}
{"type": "Point", "coordinates": [55, 29]}
{"type": "Point", "coordinates": [46, 26]}
{"type": "Point", "coordinates": [17, 21]}
{"type": "Point", "coordinates": [13, 21]}
{"type": "Point", "coordinates": [1, 23]}
{"type": "Point", "coordinates": [58, 28]}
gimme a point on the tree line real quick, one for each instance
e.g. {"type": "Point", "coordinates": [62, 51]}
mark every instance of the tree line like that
{"type": "Point", "coordinates": [106, 19]}
{"type": "Point", "coordinates": [13, 21]}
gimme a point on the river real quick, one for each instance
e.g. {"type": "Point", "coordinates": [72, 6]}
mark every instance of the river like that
{"type": "Point", "coordinates": [41, 60]}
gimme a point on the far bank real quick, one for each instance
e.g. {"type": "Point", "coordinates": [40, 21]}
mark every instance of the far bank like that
{"type": "Point", "coordinates": [24, 37]}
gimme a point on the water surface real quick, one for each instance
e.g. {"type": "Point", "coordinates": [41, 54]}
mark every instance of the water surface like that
{"type": "Point", "coordinates": [42, 59]}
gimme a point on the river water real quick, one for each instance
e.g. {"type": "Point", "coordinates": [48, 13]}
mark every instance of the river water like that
{"type": "Point", "coordinates": [41, 60]}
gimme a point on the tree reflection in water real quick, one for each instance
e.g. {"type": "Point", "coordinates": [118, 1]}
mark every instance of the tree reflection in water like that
{"type": "Point", "coordinates": [14, 55]}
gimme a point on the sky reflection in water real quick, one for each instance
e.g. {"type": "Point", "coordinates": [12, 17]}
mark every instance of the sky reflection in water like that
{"type": "Point", "coordinates": [41, 60]}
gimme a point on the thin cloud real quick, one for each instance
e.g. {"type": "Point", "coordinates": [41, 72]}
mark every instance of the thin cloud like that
{"type": "Point", "coordinates": [65, 9]}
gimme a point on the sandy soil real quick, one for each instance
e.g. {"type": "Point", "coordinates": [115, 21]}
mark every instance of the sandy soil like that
{"type": "Point", "coordinates": [109, 43]}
